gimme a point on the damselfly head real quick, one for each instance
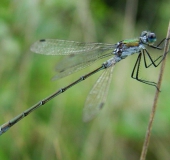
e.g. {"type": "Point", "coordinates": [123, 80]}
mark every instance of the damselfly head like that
{"type": "Point", "coordinates": [148, 37]}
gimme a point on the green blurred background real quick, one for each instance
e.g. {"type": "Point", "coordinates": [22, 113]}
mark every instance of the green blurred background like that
{"type": "Point", "coordinates": [56, 130]}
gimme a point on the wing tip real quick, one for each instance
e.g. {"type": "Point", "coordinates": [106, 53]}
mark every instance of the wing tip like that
{"type": "Point", "coordinates": [35, 47]}
{"type": "Point", "coordinates": [42, 40]}
{"type": "Point", "coordinates": [88, 117]}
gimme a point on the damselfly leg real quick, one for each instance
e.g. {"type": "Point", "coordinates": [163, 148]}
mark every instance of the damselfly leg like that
{"type": "Point", "coordinates": [145, 53]}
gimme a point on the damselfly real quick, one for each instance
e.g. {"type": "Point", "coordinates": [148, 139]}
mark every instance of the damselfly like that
{"type": "Point", "coordinates": [81, 55]}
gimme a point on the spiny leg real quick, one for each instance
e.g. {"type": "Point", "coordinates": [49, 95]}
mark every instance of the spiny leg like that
{"type": "Point", "coordinates": [150, 58]}
{"type": "Point", "coordinates": [153, 61]}
{"type": "Point", "coordinates": [135, 72]}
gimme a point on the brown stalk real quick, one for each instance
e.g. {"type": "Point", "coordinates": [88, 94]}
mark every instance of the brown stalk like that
{"type": "Point", "coordinates": [148, 132]}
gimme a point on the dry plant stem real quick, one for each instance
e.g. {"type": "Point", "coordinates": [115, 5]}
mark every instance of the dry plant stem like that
{"type": "Point", "coordinates": [148, 133]}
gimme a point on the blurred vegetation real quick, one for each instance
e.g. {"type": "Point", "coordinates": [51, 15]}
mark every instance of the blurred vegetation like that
{"type": "Point", "coordinates": [56, 130]}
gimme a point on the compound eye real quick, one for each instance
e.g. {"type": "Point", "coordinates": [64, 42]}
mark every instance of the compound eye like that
{"type": "Point", "coordinates": [151, 37]}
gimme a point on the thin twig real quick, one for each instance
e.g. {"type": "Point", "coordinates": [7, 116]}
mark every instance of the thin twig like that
{"type": "Point", "coordinates": [148, 133]}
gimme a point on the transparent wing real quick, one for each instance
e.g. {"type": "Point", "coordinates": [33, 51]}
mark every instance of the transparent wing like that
{"type": "Point", "coordinates": [97, 96]}
{"type": "Point", "coordinates": [71, 64]}
{"type": "Point", "coordinates": [80, 55]}
{"type": "Point", "coordinates": [63, 47]}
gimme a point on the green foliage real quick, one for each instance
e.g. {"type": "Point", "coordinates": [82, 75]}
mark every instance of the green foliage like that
{"type": "Point", "coordinates": [56, 131]}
